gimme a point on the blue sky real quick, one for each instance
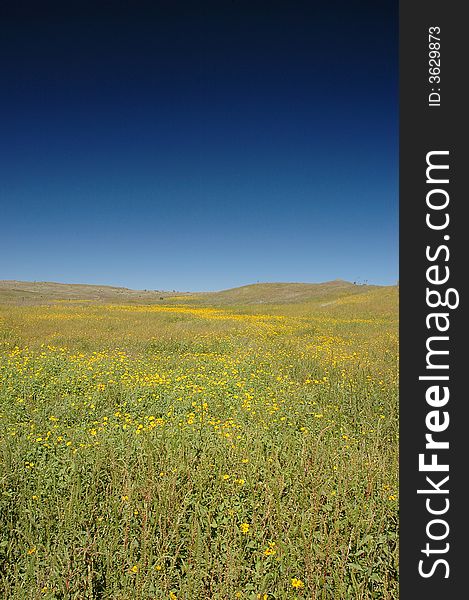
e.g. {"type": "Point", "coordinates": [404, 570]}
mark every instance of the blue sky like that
{"type": "Point", "coordinates": [200, 146]}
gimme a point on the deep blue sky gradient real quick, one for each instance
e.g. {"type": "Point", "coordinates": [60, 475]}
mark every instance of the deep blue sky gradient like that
{"type": "Point", "coordinates": [201, 145]}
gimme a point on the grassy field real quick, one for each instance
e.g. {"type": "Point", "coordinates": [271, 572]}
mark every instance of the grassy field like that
{"type": "Point", "coordinates": [215, 446]}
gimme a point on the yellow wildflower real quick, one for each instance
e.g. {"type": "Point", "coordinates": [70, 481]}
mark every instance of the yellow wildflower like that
{"type": "Point", "coordinates": [244, 527]}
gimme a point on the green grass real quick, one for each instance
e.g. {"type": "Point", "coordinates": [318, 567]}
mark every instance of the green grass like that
{"type": "Point", "coordinates": [200, 448]}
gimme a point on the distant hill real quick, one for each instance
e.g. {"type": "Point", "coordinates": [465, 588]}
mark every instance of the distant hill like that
{"type": "Point", "coordinates": [286, 293]}
{"type": "Point", "coordinates": [42, 292]}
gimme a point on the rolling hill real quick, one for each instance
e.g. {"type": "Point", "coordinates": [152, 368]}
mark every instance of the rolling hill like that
{"type": "Point", "coordinates": [254, 295]}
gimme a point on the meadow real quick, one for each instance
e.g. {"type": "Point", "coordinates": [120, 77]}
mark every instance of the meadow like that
{"type": "Point", "coordinates": [199, 447]}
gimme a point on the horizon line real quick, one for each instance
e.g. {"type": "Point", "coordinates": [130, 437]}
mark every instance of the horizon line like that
{"type": "Point", "coordinates": [172, 291]}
